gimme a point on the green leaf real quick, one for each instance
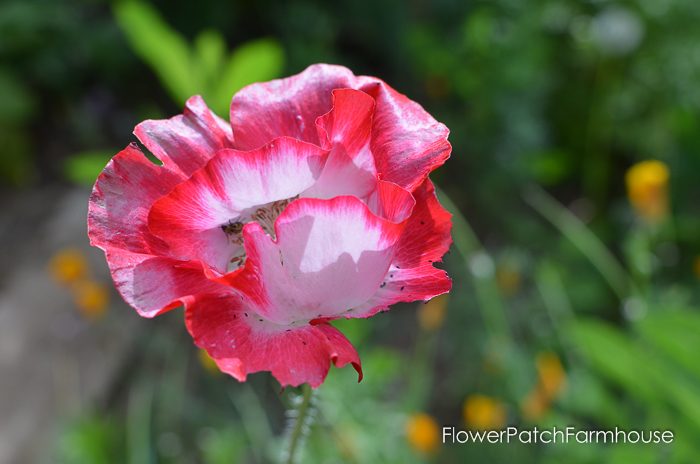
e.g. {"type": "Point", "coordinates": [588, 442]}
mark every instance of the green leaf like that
{"type": "Point", "coordinates": [209, 49]}
{"type": "Point", "coordinates": [90, 439]}
{"type": "Point", "coordinates": [254, 61]}
{"type": "Point", "coordinates": [548, 167]}
{"type": "Point", "coordinates": [614, 355]}
{"type": "Point", "coordinates": [83, 168]}
{"type": "Point", "coordinates": [675, 334]}
{"type": "Point", "coordinates": [165, 51]}
{"type": "Point", "coordinates": [640, 371]}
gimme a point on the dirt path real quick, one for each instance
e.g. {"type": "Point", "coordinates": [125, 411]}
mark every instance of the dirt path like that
{"type": "Point", "coordinates": [53, 362]}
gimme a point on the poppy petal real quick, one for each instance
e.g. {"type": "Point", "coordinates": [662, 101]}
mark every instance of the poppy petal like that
{"type": "Point", "coordinates": [190, 218]}
{"type": "Point", "coordinates": [242, 342]}
{"type": "Point", "coordinates": [329, 256]}
{"type": "Point", "coordinates": [185, 143]}
{"type": "Point", "coordinates": [412, 275]}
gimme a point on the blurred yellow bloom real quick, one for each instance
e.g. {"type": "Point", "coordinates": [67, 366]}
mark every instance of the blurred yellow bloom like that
{"type": "Point", "coordinates": [432, 314]}
{"type": "Point", "coordinates": [207, 362]}
{"type": "Point", "coordinates": [535, 404]}
{"type": "Point", "coordinates": [696, 267]}
{"type": "Point", "coordinates": [482, 412]}
{"type": "Point", "coordinates": [552, 376]}
{"type": "Point", "coordinates": [647, 189]}
{"type": "Point", "coordinates": [551, 379]}
{"type": "Point", "coordinates": [91, 298]}
{"type": "Point", "coordinates": [68, 266]}
{"type": "Point", "coordinates": [422, 433]}
{"type": "Point", "coordinates": [508, 279]}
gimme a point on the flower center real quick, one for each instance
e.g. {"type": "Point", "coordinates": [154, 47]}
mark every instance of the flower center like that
{"type": "Point", "coordinates": [264, 215]}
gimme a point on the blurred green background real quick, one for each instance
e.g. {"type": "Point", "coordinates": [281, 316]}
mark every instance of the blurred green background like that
{"type": "Point", "coordinates": [575, 268]}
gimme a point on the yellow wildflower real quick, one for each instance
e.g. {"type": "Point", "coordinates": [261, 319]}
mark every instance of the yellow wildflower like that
{"type": "Point", "coordinates": [647, 189]}
{"type": "Point", "coordinates": [422, 433]}
{"type": "Point", "coordinates": [696, 267]}
{"type": "Point", "coordinates": [482, 412]}
{"type": "Point", "coordinates": [551, 374]}
{"type": "Point", "coordinates": [535, 404]}
{"type": "Point", "coordinates": [91, 298]}
{"type": "Point", "coordinates": [551, 379]}
{"type": "Point", "coordinates": [432, 314]}
{"type": "Point", "coordinates": [68, 266]}
{"type": "Point", "coordinates": [207, 362]}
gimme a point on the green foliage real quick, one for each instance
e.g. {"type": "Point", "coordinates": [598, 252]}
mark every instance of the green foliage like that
{"type": "Point", "coordinates": [202, 68]}
{"type": "Point", "coordinates": [222, 446]}
{"type": "Point", "coordinates": [163, 49]}
{"type": "Point", "coordinates": [83, 168]}
{"type": "Point", "coordinates": [89, 440]}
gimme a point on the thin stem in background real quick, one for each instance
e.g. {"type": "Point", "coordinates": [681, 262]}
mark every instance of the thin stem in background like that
{"type": "Point", "coordinates": [253, 418]}
{"type": "Point", "coordinates": [583, 239]}
{"type": "Point", "coordinates": [300, 418]}
{"type": "Point", "coordinates": [480, 265]}
{"type": "Point", "coordinates": [557, 304]}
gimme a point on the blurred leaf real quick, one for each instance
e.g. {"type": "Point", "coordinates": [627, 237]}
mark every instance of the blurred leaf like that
{"type": "Point", "coordinates": [83, 168]}
{"type": "Point", "coordinates": [209, 48]}
{"type": "Point", "coordinates": [640, 371]}
{"type": "Point", "coordinates": [356, 330]}
{"type": "Point", "coordinates": [614, 355]}
{"type": "Point", "coordinates": [91, 439]}
{"type": "Point", "coordinates": [223, 446]}
{"type": "Point", "coordinates": [161, 47]}
{"type": "Point", "coordinates": [588, 397]}
{"type": "Point", "coordinates": [255, 61]}
{"type": "Point", "coordinates": [674, 333]}
{"type": "Point", "coordinates": [625, 453]}
{"type": "Point", "coordinates": [548, 167]}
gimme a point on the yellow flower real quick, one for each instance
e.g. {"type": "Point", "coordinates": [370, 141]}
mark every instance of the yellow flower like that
{"type": "Point", "coordinates": [422, 433]}
{"type": "Point", "coordinates": [68, 266]}
{"type": "Point", "coordinates": [535, 404]}
{"type": "Point", "coordinates": [696, 267]}
{"type": "Point", "coordinates": [551, 374]}
{"type": "Point", "coordinates": [647, 189]}
{"type": "Point", "coordinates": [432, 314]}
{"type": "Point", "coordinates": [551, 379]}
{"type": "Point", "coordinates": [207, 362]}
{"type": "Point", "coordinates": [482, 412]}
{"type": "Point", "coordinates": [91, 298]}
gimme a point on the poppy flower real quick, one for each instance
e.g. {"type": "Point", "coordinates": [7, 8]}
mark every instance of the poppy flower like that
{"type": "Point", "coordinates": [313, 204]}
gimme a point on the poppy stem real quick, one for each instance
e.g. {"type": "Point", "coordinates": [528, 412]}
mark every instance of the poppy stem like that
{"type": "Point", "coordinates": [300, 423]}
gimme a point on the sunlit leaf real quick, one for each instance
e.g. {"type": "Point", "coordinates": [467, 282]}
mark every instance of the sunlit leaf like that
{"type": "Point", "coordinates": [255, 61]}
{"type": "Point", "coordinates": [674, 333]}
{"type": "Point", "coordinates": [614, 355]}
{"type": "Point", "coordinates": [83, 168]}
{"type": "Point", "coordinates": [165, 51]}
{"type": "Point", "coordinates": [209, 49]}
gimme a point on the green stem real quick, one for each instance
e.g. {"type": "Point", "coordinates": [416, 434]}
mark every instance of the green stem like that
{"type": "Point", "coordinates": [486, 289]}
{"type": "Point", "coordinates": [300, 423]}
{"type": "Point", "coordinates": [583, 239]}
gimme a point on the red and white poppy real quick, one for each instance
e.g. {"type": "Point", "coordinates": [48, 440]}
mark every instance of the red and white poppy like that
{"type": "Point", "coordinates": [314, 204]}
